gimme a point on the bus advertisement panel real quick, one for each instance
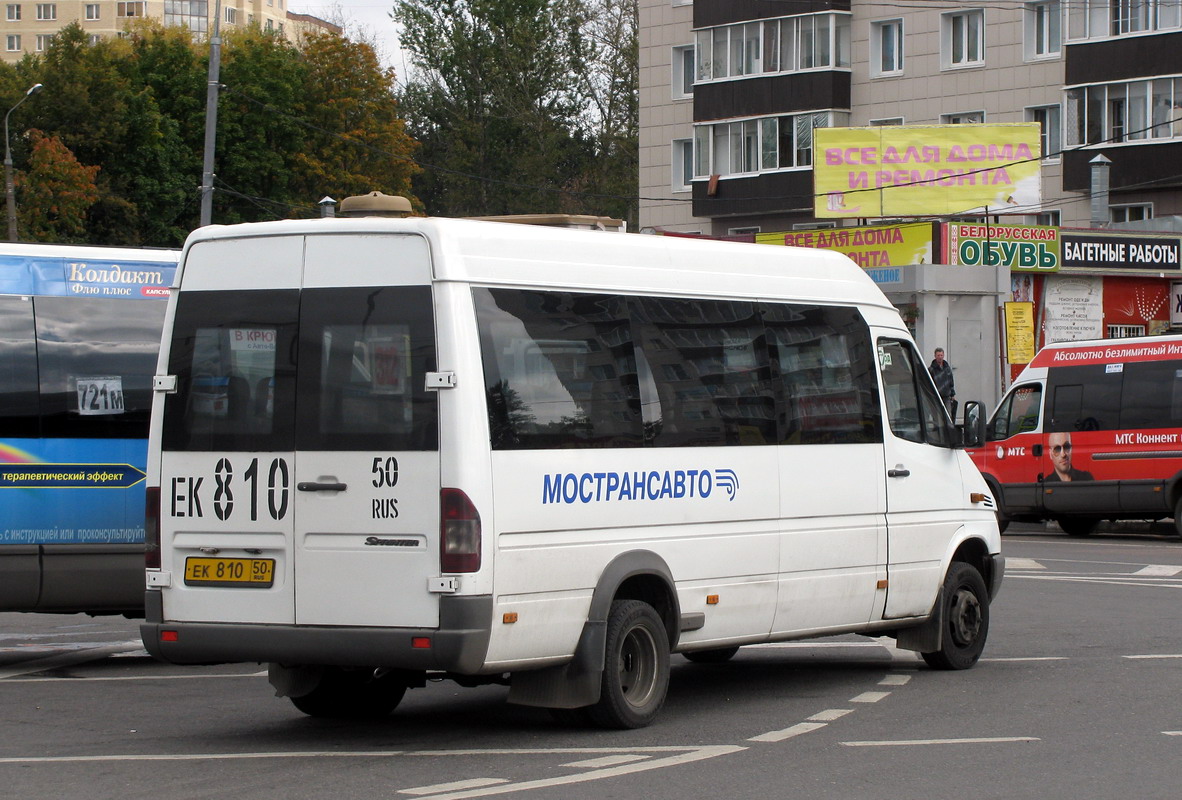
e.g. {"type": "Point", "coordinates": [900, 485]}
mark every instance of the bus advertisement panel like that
{"type": "Point", "coordinates": [79, 332]}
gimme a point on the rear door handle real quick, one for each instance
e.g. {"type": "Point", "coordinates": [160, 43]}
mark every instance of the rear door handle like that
{"type": "Point", "coordinates": [309, 486]}
{"type": "Point", "coordinates": [898, 472]}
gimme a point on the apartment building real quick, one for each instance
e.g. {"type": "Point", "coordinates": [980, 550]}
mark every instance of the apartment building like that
{"type": "Point", "coordinates": [731, 90]}
{"type": "Point", "coordinates": [29, 27]}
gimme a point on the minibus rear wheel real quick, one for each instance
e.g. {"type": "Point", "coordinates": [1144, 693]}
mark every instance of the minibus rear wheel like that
{"type": "Point", "coordinates": [1078, 526]}
{"type": "Point", "coordinates": [352, 694]}
{"type": "Point", "coordinates": [966, 619]}
{"type": "Point", "coordinates": [635, 667]}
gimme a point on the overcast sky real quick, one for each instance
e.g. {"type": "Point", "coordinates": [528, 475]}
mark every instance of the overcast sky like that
{"type": "Point", "coordinates": [368, 16]}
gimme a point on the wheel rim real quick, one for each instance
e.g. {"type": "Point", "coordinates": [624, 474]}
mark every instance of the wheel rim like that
{"type": "Point", "coordinates": [965, 613]}
{"type": "Point", "coordinates": [638, 666]}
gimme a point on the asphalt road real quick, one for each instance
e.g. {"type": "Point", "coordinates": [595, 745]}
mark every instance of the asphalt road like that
{"type": "Point", "coordinates": [1077, 696]}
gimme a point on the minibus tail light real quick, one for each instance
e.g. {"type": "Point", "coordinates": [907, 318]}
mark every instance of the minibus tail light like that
{"type": "Point", "coordinates": [152, 528]}
{"type": "Point", "coordinates": [459, 532]}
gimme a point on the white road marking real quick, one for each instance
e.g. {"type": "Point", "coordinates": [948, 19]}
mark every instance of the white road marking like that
{"type": "Point", "coordinates": [788, 733]}
{"type": "Point", "coordinates": [475, 783]}
{"type": "Point", "coordinates": [895, 680]}
{"type": "Point", "coordinates": [920, 742]}
{"type": "Point", "coordinates": [607, 761]}
{"type": "Point", "coordinates": [1022, 563]}
{"type": "Point", "coordinates": [1155, 655]}
{"type": "Point", "coordinates": [869, 697]}
{"type": "Point", "coordinates": [1026, 658]}
{"type": "Point", "coordinates": [1130, 581]}
{"type": "Point", "coordinates": [830, 714]}
{"type": "Point", "coordinates": [1159, 571]}
{"type": "Point", "coordinates": [193, 677]}
{"type": "Point", "coordinates": [68, 659]}
{"type": "Point", "coordinates": [1172, 733]}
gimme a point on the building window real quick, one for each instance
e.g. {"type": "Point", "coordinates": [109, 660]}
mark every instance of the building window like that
{"type": "Point", "coordinates": [133, 9]}
{"type": "Point", "coordinates": [191, 14]}
{"type": "Point", "coordinates": [683, 164]}
{"type": "Point", "coordinates": [1132, 212]}
{"type": "Point", "coordinates": [886, 47]}
{"type": "Point", "coordinates": [44, 40]}
{"type": "Point", "coordinates": [1099, 19]}
{"type": "Point", "coordinates": [46, 11]}
{"type": "Point", "coordinates": [94, 39]}
{"type": "Point", "coordinates": [962, 36]}
{"type": "Point", "coordinates": [92, 11]}
{"type": "Point", "coordinates": [14, 12]}
{"type": "Point", "coordinates": [747, 230]}
{"type": "Point", "coordinates": [1044, 34]}
{"type": "Point", "coordinates": [1135, 111]}
{"type": "Point", "coordinates": [963, 118]}
{"type": "Point", "coordinates": [1050, 136]}
{"type": "Point", "coordinates": [232, 16]}
{"type": "Point", "coordinates": [812, 41]}
{"type": "Point", "coordinates": [751, 146]}
{"type": "Point", "coordinates": [879, 123]}
{"type": "Point", "coordinates": [1125, 331]}
{"type": "Point", "coordinates": [14, 42]}
{"type": "Point", "coordinates": [682, 77]}
{"type": "Point", "coordinates": [269, 25]}
{"type": "Point", "coordinates": [1053, 218]}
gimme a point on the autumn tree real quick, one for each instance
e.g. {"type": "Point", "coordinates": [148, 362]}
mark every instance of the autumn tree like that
{"type": "Point", "coordinates": [355, 141]}
{"type": "Point", "coordinates": [55, 192]}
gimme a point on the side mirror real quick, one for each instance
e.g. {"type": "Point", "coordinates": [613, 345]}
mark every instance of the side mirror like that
{"type": "Point", "coordinates": [973, 430]}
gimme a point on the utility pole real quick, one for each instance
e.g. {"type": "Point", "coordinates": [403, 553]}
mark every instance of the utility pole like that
{"type": "Point", "coordinates": [9, 189]}
{"type": "Point", "coordinates": [211, 115]}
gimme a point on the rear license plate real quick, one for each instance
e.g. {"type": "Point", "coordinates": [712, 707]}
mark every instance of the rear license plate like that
{"type": "Point", "coordinates": [256, 573]}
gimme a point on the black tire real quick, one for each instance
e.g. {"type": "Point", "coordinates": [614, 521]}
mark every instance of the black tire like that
{"type": "Point", "coordinates": [966, 619]}
{"type": "Point", "coordinates": [1078, 526]}
{"type": "Point", "coordinates": [352, 694]}
{"type": "Point", "coordinates": [719, 656]}
{"type": "Point", "coordinates": [1178, 516]}
{"type": "Point", "coordinates": [635, 667]}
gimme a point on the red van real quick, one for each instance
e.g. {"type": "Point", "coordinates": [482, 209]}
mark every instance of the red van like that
{"type": "Point", "coordinates": [1091, 430]}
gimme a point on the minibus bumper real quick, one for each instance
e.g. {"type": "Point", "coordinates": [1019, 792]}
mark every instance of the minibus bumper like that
{"type": "Point", "coordinates": [996, 573]}
{"type": "Point", "coordinates": [459, 644]}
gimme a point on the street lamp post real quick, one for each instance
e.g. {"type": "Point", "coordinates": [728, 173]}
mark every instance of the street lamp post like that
{"type": "Point", "coordinates": [10, 194]}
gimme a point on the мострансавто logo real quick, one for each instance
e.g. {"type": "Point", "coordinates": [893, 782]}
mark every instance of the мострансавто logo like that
{"type": "Point", "coordinates": [610, 487]}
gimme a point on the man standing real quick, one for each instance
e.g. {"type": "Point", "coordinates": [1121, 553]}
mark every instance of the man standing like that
{"type": "Point", "coordinates": [945, 384]}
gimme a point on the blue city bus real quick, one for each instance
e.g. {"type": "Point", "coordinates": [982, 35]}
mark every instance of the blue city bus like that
{"type": "Point", "coordinates": [79, 333]}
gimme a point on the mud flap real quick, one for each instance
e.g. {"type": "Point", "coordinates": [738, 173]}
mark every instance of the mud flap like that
{"type": "Point", "coordinates": [928, 636]}
{"type": "Point", "coordinates": [571, 685]}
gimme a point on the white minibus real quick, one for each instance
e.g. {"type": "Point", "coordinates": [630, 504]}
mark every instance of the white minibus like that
{"type": "Point", "coordinates": [547, 458]}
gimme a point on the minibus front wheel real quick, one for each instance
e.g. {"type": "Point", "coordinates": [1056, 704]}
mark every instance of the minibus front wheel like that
{"type": "Point", "coordinates": [635, 667]}
{"type": "Point", "coordinates": [965, 622]}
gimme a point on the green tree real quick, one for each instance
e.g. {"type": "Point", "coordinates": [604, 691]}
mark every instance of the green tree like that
{"type": "Point", "coordinates": [494, 101]}
{"type": "Point", "coordinates": [55, 193]}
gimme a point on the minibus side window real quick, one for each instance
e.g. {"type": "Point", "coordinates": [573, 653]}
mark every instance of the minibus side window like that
{"type": "Point", "coordinates": [559, 370]}
{"type": "Point", "coordinates": [825, 360]}
{"type": "Point", "coordinates": [710, 364]}
{"type": "Point", "coordinates": [18, 368]}
{"type": "Point", "coordinates": [914, 409]}
{"type": "Point", "coordinates": [1152, 395]}
{"type": "Point", "coordinates": [1085, 398]}
{"type": "Point", "coordinates": [1018, 413]}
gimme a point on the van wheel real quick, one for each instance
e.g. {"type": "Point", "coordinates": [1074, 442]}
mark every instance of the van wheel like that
{"type": "Point", "coordinates": [719, 656]}
{"type": "Point", "coordinates": [1078, 526]}
{"type": "Point", "coordinates": [635, 667]}
{"type": "Point", "coordinates": [1178, 516]}
{"type": "Point", "coordinates": [352, 694]}
{"type": "Point", "coordinates": [966, 619]}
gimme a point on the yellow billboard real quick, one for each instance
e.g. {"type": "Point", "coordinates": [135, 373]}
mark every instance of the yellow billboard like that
{"type": "Point", "coordinates": [876, 246]}
{"type": "Point", "coordinates": [920, 170]}
{"type": "Point", "coordinates": [1019, 317]}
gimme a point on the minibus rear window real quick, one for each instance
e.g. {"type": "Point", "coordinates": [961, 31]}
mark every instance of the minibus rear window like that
{"type": "Point", "coordinates": [234, 357]}
{"type": "Point", "coordinates": [364, 356]}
